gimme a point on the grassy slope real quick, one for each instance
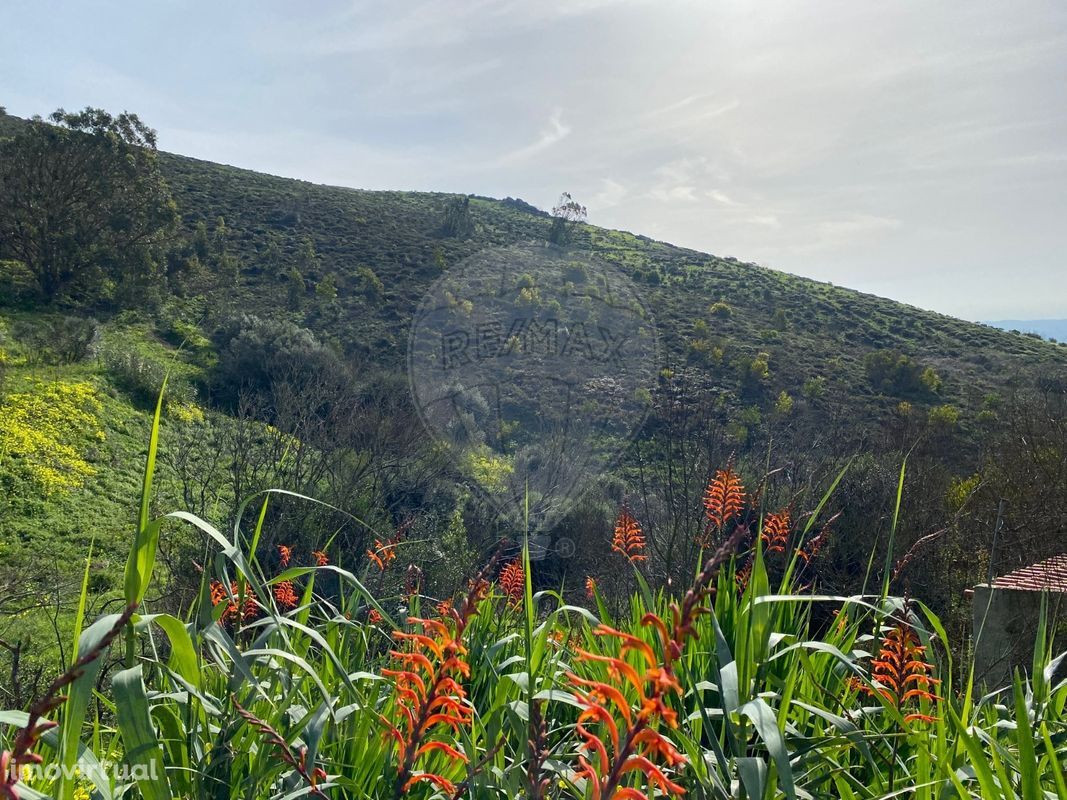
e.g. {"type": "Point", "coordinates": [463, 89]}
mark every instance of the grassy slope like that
{"type": "Point", "coordinates": [828, 332]}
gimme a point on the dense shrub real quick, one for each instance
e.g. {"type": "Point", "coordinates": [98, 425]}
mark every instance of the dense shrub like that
{"type": "Point", "coordinates": [257, 353]}
{"type": "Point", "coordinates": [892, 372]}
{"type": "Point", "coordinates": [58, 340]}
{"type": "Point", "coordinates": [721, 309]}
{"type": "Point", "coordinates": [370, 285]}
{"type": "Point", "coordinates": [141, 377]}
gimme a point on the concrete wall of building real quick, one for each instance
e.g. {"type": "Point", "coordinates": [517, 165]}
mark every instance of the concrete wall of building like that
{"type": "Point", "coordinates": [1006, 639]}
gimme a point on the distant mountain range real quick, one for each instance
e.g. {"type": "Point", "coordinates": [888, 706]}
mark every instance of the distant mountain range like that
{"type": "Point", "coordinates": [1048, 328]}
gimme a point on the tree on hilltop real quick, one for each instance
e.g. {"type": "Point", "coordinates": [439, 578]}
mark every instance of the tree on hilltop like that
{"type": "Point", "coordinates": [83, 205]}
{"type": "Point", "coordinates": [566, 216]}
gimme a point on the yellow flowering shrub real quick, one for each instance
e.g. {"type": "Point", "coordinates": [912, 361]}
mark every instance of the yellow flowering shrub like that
{"type": "Point", "coordinates": [491, 471]}
{"type": "Point", "coordinates": [41, 430]}
{"type": "Point", "coordinates": [185, 412]}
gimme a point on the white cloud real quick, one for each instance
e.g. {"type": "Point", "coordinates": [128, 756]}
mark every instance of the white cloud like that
{"type": "Point", "coordinates": [611, 194]}
{"type": "Point", "coordinates": [555, 131]}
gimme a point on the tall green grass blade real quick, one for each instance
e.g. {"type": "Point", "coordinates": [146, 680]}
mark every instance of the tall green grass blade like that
{"type": "Point", "coordinates": [1024, 735]}
{"type": "Point", "coordinates": [142, 751]}
{"type": "Point", "coordinates": [76, 706]}
{"type": "Point", "coordinates": [766, 724]}
{"type": "Point", "coordinates": [143, 553]}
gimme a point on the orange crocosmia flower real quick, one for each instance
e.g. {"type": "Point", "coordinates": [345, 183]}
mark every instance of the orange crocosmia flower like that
{"type": "Point", "coordinates": [444, 608]}
{"type": "Point", "coordinates": [374, 616]}
{"type": "Point", "coordinates": [431, 706]}
{"type": "Point", "coordinates": [284, 554]}
{"type": "Point", "coordinates": [590, 587]}
{"type": "Point", "coordinates": [251, 609]}
{"type": "Point", "coordinates": [285, 595]}
{"type": "Point", "coordinates": [382, 554]}
{"type": "Point", "coordinates": [617, 740]}
{"type": "Point", "coordinates": [320, 558]}
{"type": "Point", "coordinates": [741, 577]}
{"type": "Point", "coordinates": [628, 538]}
{"type": "Point", "coordinates": [902, 675]}
{"type": "Point", "coordinates": [625, 720]}
{"type": "Point", "coordinates": [513, 582]}
{"type": "Point", "coordinates": [776, 529]}
{"type": "Point", "coordinates": [219, 595]}
{"type": "Point", "coordinates": [724, 498]}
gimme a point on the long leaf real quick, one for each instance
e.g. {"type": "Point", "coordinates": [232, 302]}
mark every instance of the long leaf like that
{"type": "Point", "coordinates": [143, 753]}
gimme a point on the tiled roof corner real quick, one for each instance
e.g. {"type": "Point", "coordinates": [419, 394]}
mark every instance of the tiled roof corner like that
{"type": "Point", "coordinates": [1050, 574]}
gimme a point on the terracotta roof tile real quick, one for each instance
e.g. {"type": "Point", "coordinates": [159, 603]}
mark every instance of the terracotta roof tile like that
{"type": "Point", "coordinates": [1049, 574]}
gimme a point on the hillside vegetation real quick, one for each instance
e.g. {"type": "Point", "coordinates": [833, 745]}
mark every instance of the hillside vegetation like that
{"type": "Point", "coordinates": [281, 309]}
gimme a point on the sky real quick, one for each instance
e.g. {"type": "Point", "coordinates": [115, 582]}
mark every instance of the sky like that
{"type": "Point", "coordinates": [911, 149]}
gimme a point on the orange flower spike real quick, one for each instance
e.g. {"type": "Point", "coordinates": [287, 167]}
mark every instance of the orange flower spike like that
{"type": "Point", "coordinates": [590, 587]}
{"type": "Point", "coordinates": [814, 545]}
{"type": "Point", "coordinates": [901, 674]}
{"type": "Point", "coordinates": [513, 582]}
{"type": "Point", "coordinates": [374, 617]}
{"type": "Point", "coordinates": [444, 609]}
{"type": "Point", "coordinates": [628, 539]}
{"type": "Point", "coordinates": [724, 498]}
{"type": "Point", "coordinates": [284, 554]}
{"type": "Point", "coordinates": [284, 594]}
{"type": "Point", "coordinates": [383, 553]}
{"type": "Point", "coordinates": [251, 609]}
{"type": "Point", "coordinates": [641, 740]}
{"type": "Point", "coordinates": [219, 595]}
{"type": "Point", "coordinates": [321, 559]}
{"type": "Point", "coordinates": [428, 694]}
{"type": "Point", "coordinates": [218, 592]}
{"type": "Point", "coordinates": [776, 529]}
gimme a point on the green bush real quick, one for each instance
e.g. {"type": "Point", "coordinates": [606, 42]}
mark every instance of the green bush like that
{"type": "Point", "coordinates": [256, 353]}
{"type": "Point", "coordinates": [57, 340]}
{"type": "Point", "coordinates": [894, 373]}
{"type": "Point", "coordinates": [141, 377]}
{"type": "Point", "coordinates": [721, 309]}
{"type": "Point", "coordinates": [945, 417]}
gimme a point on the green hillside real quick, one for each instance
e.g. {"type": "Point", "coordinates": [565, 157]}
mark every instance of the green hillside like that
{"type": "Point", "coordinates": [809, 328]}
{"type": "Point", "coordinates": [758, 365]}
